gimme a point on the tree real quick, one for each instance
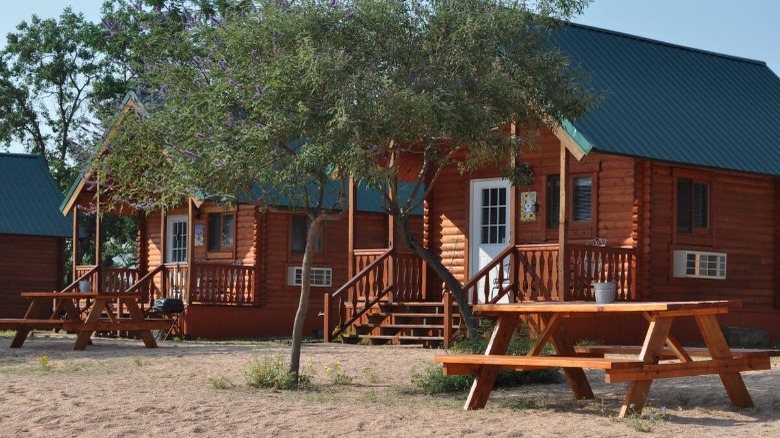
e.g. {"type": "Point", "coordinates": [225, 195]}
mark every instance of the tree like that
{"type": "Point", "coordinates": [51, 72]}
{"type": "Point", "coordinates": [288, 95]}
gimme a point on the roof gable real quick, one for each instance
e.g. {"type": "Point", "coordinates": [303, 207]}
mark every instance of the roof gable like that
{"type": "Point", "coordinates": [676, 104]}
{"type": "Point", "coordinates": [30, 198]}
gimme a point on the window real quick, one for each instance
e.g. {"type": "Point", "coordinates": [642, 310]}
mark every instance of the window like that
{"type": "Point", "coordinates": [699, 264]}
{"type": "Point", "coordinates": [692, 205]}
{"type": "Point", "coordinates": [299, 229]}
{"type": "Point", "coordinates": [494, 207]}
{"type": "Point", "coordinates": [581, 200]}
{"type": "Point", "coordinates": [553, 200]}
{"type": "Point", "coordinates": [318, 277]}
{"type": "Point", "coordinates": [221, 234]}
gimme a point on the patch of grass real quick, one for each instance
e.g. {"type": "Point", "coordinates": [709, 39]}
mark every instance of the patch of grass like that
{"type": "Point", "coordinates": [646, 420]}
{"type": "Point", "coordinates": [221, 383]}
{"type": "Point", "coordinates": [372, 375]}
{"type": "Point", "coordinates": [682, 400]}
{"type": "Point", "coordinates": [431, 380]}
{"type": "Point", "coordinates": [521, 404]}
{"type": "Point", "coordinates": [137, 360]}
{"type": "Point", "coordinates": [337, 375]}
{"type": "Point", "coordinates": [44, 364]}
{"type": "Point", "coordinates": [274, 372]}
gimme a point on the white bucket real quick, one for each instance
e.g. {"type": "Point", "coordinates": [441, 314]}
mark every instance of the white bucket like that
{"type": "Point", "coordinates": [605, 291]}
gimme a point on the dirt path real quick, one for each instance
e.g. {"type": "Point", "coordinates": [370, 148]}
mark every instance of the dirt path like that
{"type": "Point", "coordinates": [119, 388]}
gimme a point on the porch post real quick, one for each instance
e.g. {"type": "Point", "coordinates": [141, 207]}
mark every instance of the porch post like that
{"type": "Point", "coordinates": [98, 252]}
{"type": "Point", "coordinates": [191, 243]}
{"type": "Point", "coordinates": [563, 225]}
{"type": "Point", "coordinates": [163, 232]}
{"type": "Point", "coordinates": [514, 238]}
{"type": "Point", "coordinates": [352, 201]}
{"type": "Point", "coordinates": [75, 244]}
{"type": "Point", "coordinates": [391, 236]}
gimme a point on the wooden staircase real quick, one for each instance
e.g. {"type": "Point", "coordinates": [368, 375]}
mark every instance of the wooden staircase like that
{"type": "Point", "coordinates": [401, 324]}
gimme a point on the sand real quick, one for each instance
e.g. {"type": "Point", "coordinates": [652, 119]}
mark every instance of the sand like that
{"type": "Point", "coordinates": [118, 388]}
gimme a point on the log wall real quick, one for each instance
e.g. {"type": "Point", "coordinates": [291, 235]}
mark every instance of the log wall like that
{"type": "Point", "coordinates": [27, 263]}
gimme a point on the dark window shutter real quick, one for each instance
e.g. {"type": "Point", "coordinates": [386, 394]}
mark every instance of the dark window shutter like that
{"type": "Point", "coordinates": [582, 199]}
{"type": "Point", "coordinates": [684, 203]}
{"type": "Point", "coordinates": [553, 200]}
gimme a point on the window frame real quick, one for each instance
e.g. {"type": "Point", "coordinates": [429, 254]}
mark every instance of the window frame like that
{"type": "Point", "coordinates": [698, 235]}
{"type": "Point", "coordinates": [318, 247]}
{"type": "Point", "coordinates": [578, 229]}
{"type": "Point", "coordinates": [222, 248]}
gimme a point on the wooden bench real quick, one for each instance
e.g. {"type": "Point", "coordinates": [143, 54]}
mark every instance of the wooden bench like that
{"type": "Point", "coordinates": [668, 353]}
{"type": "Point", "coordinates": [16, 323]}
{"type": "Point", "coordinates": [471, 363]}
{"type": "Point", "coordinates": [124, 324]}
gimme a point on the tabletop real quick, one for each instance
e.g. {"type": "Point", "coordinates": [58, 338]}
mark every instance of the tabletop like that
{"type": "Point", "coordinates": [618, 307]}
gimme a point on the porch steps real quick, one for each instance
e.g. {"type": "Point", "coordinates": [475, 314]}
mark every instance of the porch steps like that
{"type": "Point", "coordinates": [406, 323]}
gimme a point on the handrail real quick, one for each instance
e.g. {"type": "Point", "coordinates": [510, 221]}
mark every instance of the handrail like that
{"type": "Point", "coordinates": [329, 333]}
{"type": "Point", "coordinates": [145, 279]}
{"type": "Point", "coordinates": [83, 277]}
{"type": "Point", "coordinates": [362, 273]}
{"type": "Point", "coordinates": [473, 281]}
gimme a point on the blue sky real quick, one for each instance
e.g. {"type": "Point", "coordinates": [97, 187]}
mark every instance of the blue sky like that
{"type": "Point", "coordinates": [748, 28]}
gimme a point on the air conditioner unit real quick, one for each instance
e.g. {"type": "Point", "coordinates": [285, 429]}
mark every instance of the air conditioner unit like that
{"type": "Point", "coordinates": [699, 264]}
{"type": "Point", "coordinates": [319, 277]}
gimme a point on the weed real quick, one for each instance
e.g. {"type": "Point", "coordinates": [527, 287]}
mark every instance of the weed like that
{"type": "Point", "coordinates": [682, 400]}
{"type": "Point", "coordinates": [221, 383]}
{"type": "Point", "coordinates": [370, 396]}
{"type": "Point", "coordinates": [337, 375]}
{"type": "Point", "coordinates": [647, 419]}
{"type": "Point", "coordinates": [43, 363]}
{"type": "Point", "coordinates": [431, 380]}
{"type": "Point", "coordinates": [137, 360]}
{"type": "Point", "coordinates": [273, 372]}
{"type": "Point", "coordinates": [520, 404]}
{"type": "Point", "coordinates": [372, 375]}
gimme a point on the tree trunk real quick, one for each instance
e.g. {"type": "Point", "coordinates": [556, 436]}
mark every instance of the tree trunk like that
{"type": "Point", "coordinates": [303, 304]}
{"type": "Point", "coordinates": [449, 280]}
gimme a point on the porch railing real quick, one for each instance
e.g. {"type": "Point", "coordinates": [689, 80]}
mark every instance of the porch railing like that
{"type": "Point", "coordinates": [211, 283]}
{"type": "Point", "coordinates": [383, 275]}
{"type": "Point", "coordinates": [530, 273]}
{"type": "Point", "coordinates": [223, 284]}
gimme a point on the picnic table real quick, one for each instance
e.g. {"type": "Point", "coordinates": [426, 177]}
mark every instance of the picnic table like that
{"type": "Point", "coordinates": [661, 356]}
{"type": "Point", "coordinates": [104, 314]}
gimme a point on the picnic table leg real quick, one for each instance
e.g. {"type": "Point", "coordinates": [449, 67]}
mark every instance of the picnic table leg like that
{"type": "Point", "coordinates": [137, 316]}
{"type": "Point", "coordinates": [657, 334]}
{"type": "Point", "coordinates": [84, 336]}
{"type": "Point", "coordinates": [486, 376]}
{"type": "Point", "coordinates": [719, 349]}
{"type": "Point", "coordinates": [575, 377]}
{"type": "Point", "coordinates": [32, 312]}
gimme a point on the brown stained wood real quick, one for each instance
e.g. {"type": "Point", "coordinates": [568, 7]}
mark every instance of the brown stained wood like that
{"type": "Point", "coordinates": [118, 325]}
{"type": "Point", "coordinates": [719, 349]}
{"type": "Point", "coordinates": [679, 308]}
{"type": "Point", "coordinates": [575, 377]}
{"type": "Point", "coordinates": [667, 353]}
{"type": "Point", "coordinates": [485, 377]}
{"type": "Point", "coordinates": [540, 361]}
{"type": "Point", "coordinates": [651, 351]}
{"type": "Point", "coordinates": [563, 228]}
{"type": "Point", "coordinates": [688, 369]}
{"type": "Point", "coordinates": [543, 336]}
{"type": "Point", "coordinates": [674, 345]}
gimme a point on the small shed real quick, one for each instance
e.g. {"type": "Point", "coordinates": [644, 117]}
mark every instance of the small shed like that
{"type": "Point", "coordinates": [32, 231]}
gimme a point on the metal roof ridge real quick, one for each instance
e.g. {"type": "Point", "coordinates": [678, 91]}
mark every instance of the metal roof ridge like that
{"type": "Point", "coordinates": [668, 44]}
{"type": "Point", "coordinates": [19, 155]}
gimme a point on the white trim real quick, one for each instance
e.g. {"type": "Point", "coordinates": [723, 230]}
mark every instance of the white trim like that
{"type": "Point", "coordinates": [475, 222]}
{"type": "Point", "coordinates": [169, 231]}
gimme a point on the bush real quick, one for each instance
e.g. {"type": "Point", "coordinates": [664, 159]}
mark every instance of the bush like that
{"type": "Point", "coordinates": [431, 379]}
{"type": "Point", "coordinates": [274, 372]}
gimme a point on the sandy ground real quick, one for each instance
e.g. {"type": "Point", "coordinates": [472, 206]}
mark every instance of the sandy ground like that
{"type": "Point", "coordinates": [118, 388]}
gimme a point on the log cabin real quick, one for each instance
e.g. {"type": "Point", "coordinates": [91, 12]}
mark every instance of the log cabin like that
{"type": "Point", "coordinates": [32, 232]}
{"type": "Point", "coordinates": [671, 189]}
{"type": "Point", "coordinates": [237, 270]}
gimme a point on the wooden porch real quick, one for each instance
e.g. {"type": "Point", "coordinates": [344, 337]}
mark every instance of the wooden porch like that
{"type": "Point", "coordinates": [388, 299]}
{"type": "Point", "coordinates": [196, 283]}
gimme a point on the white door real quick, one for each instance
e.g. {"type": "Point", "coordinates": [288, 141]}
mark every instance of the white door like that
{"type": "Point", "coordinates": [489, 229]}
{"type": "Point", "coordinates": [176, 243]}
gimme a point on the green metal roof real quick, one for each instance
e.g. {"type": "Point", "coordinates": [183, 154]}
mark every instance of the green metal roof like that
{"type": "Point", "coordinates": [676, 104]}
{"type": "Point", "coordinates": [29, 198]}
